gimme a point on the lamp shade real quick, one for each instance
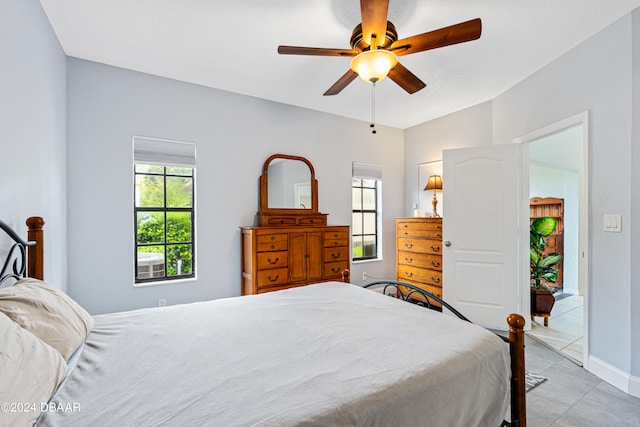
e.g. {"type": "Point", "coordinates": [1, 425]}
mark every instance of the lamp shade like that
{"type": "Point", "coordinates": [434, 183]}
{"type": "Point", "coordinates": [374, 65]}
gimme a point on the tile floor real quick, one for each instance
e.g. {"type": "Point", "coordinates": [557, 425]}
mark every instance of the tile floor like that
{"type": "Point", "coordinates": [565, 329]}
{"type": "Point", "coordinates": [571, 396]}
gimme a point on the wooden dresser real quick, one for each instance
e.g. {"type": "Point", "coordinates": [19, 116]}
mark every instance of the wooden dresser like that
{"type": "Point", "coordinates": [292, 244]}
{"type": "Point", "coordinates": [275, 258]}
{"type": "Point", "coordinates": [419, 253]}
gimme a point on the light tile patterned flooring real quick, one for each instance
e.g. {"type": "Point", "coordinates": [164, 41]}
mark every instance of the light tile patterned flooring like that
{"type": "Point", "coordinates": [565, 329]}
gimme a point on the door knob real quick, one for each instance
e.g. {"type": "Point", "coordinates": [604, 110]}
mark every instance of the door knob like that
{"type": "Point", "coordinates": [447, 243]}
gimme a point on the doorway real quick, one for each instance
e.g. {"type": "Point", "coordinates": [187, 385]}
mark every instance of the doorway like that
{"type": "Point", "coordinates": [557, 171]}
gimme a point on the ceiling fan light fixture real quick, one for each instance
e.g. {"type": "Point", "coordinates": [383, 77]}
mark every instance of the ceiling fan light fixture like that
{"type": "Point", "coordinates": [374, 65]}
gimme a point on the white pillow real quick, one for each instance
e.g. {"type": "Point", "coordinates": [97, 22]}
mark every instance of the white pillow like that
{"type": "Point", "coordinates": [30, 371]}
{"type": "Point", "coordinates": [47, 313]}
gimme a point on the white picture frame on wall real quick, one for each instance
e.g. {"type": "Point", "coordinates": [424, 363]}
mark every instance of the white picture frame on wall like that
{"type": "Point", "coordinates": [424, 205]}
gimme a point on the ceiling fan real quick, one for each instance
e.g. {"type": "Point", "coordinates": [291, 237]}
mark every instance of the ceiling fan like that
{"type": "Point", "coordinates": [375, 48]}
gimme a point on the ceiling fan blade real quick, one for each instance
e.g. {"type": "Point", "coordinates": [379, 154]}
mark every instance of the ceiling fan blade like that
{"type": "Point", "coordinates": [458, 33]}
{"type": "Point", "coordinates": [406, 79]}
{"type": "Point", "coordinates": [342, 82]}
{"type": "Point", "coordinates": [374, 20]}
{"type": "Point", "coordinates": [315, 51]}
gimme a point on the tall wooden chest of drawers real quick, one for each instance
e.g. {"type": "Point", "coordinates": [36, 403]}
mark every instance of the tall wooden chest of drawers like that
{"type": "Point", "coordinates": [419, 253]}
{"type": "Point", "coordinates": [275, 258]}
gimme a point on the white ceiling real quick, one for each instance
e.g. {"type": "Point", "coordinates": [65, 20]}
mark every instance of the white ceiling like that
{"type": "Point", "coordinates": [231, 45]}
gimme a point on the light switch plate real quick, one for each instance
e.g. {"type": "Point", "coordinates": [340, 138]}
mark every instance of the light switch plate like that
{"type": "Point", "coordinates": [612, 223]}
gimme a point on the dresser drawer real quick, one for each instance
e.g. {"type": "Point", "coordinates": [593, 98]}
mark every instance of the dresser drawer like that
{"type": "Point", "coordinates": [420, 245]}
{"type": "Point", "coordinates": [272, 277]}
{"type": "Point", "coordinates": [430, 234]}
{"type": "Point", "coordinates": [273, 242]}
{"type": "Point", "coordinates": [268, 260]}
{"type": "Point", "coordinates": [435, 225]}
{"type": "Point", "coordinates": [337, 253]}
{"type": "Point", "coordinates": [421, 275]}
{"type": "Point", "coordinates": [332, 243]}
{"type": "Point", "coordinates": [430, 261]}
{"type": "Point", "coordinates": [281, 221]}
{"type": "Point", "coordinates": [335, 269]}
{"type": "Point", "coordinates": [335, 234]}
{"type": "Point", "coordinates": [432, 289]}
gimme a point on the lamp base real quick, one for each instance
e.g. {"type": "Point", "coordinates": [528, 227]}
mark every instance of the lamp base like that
{"type": "Point", "coordinates": [434, 202]}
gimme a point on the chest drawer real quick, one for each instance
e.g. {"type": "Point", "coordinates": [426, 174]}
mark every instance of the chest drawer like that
{"type": "Point", "coordinates": [336, 235]}
{"type": "Point", "coordinates": [272, 277]}
{"type": "Point", "coordinates": [432, 289]}
{"type": "Point", "coordinates": [434, 225]}
{"type": "Point", "coordinates": [335, 269]}
{"type": "Point", "coordinates": [420, 245]}
{"type": "Point", "coordinates": [337, 253]}
{"type": "Point", "coordinates": [430, 261]}
{"type": "Point", "coordinates": [267, 260]}
{"type": "Point", "coordinates": [429, 277]}
{"type": "Point", "coordinates": [429, 234]}
{"type": "Point", "coordinates": [272, 242]}
{"type": "Point", "coordinates": [332, 243]}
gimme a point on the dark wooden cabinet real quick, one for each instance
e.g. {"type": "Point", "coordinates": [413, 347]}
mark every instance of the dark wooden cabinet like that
{"type": "Point", "coordinates": [554, 208]}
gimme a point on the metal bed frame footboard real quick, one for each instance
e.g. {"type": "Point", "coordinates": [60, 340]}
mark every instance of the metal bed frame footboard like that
{"type": "Point", "coordinates": [25, 257]}
{"type": "Point", "coordinates": [407, 292]}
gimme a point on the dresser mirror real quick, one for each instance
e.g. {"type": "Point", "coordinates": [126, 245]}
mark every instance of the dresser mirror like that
{"type": "Point", "coordinates": [288, 184]}
{"type": "Point", "coordinates": [289, 192]}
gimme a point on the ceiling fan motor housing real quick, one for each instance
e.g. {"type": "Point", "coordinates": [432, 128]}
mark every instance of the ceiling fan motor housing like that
{"type": "Point", "coordinates": [358, 43]}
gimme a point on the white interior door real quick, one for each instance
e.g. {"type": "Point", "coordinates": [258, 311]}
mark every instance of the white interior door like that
{"type": "Point", "coordinates": [485, 232]}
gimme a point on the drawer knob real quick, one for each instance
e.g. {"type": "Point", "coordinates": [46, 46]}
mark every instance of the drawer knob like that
{"type": "Point", "coordinates": [311, 221]}
{"type": "Point", "coordinates": [435, 279]}
{"type": "Point", "coordinates": [439, 235]}
{"type": "Point", "coordinates": [409, 245]}
{"type": "Point", "coordinates": [274, 279]}
{"type": "Point", "coordinates": [408, 273]}
{"type": "Point", "coordinates": [335, 255]}
{"type": "Point", "coordinates": [273, 246]}
{"type": "Point", "coordinates": [435, 249]}
{"type": "Point", "coordinates": [435, 263]}
{"type": "Point", "coordinates": [408, 259]}
{"type": "Point", "coordinates": [438, 227]}
{"type": "Point", "coordinates": [335, 269]}
{"type": "Point", "coordinates": [273, 238]}
{"type": "Point", "coordinates": [272, 262]}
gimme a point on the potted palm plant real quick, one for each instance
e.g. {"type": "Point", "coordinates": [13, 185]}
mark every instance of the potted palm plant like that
{"type": "Point", "coordinates": [543, 270]}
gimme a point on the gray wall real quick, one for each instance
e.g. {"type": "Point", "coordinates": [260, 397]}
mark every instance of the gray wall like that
{"type": "Point", "coordinates": [470, 127]}
{"type": "Point", "coordinates": [635, 200]}
{"type": "Point", "coordinates": [234, 135]}
{"type": "Point", "coordinates": [33, 129]}
{"type": "Point", "coordinates": [596, 76]}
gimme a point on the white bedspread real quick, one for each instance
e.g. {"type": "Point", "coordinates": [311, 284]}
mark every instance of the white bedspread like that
{"type": "Point", "coordinates": [330, 354]}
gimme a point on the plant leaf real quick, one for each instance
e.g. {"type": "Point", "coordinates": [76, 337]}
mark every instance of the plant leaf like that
{"type": "Point", "coordinates": [544, 225]}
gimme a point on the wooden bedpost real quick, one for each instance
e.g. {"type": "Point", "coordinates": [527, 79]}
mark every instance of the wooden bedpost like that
{"type": "Point", "coordinates": [516, 345]}
{"type": "Point", "coordinates": [35, 260]}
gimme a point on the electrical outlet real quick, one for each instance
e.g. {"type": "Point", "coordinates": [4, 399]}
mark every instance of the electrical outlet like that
{"type": "Point", "coordinates": [162, 302]}
{"type": "Point", "coordinates": [364, 275]}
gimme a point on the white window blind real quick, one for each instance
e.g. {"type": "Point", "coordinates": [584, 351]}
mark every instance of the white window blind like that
{"type": "Point", "coordinates": [162, 152]}
{"type": "Point", "coordinates": [367, 171]}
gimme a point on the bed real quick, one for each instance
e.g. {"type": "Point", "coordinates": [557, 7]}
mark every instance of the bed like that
{"type": "Point", "coordinates": [330, 354]}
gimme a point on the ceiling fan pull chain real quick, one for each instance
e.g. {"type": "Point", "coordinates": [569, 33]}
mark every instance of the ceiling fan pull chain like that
{"type": "Point", "coordinates": [373, 108]}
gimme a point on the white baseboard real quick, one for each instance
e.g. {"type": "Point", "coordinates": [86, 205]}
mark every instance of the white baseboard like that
{"type": "Point", "coordinates": [616, 377]}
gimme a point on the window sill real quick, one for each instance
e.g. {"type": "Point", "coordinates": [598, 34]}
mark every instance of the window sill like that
{"type": "Point", "coordinates": [365, 261]}
{"type": "Point", "coordinates": [164, 282]}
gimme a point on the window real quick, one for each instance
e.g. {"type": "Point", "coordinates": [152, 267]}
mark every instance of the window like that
{"type": "Point", "coordinates": [365, 223]}
{"type": "Point", "coordinates": [164, 214]}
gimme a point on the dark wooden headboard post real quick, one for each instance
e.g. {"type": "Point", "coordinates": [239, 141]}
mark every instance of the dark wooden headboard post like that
{"type": "Point", "coordinates": [516, 344]}
{"type": "Point", "coordinates": [35, 260]}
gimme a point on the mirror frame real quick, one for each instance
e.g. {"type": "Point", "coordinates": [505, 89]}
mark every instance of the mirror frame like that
{"type": "Point", "coordinates": [271, 216]}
